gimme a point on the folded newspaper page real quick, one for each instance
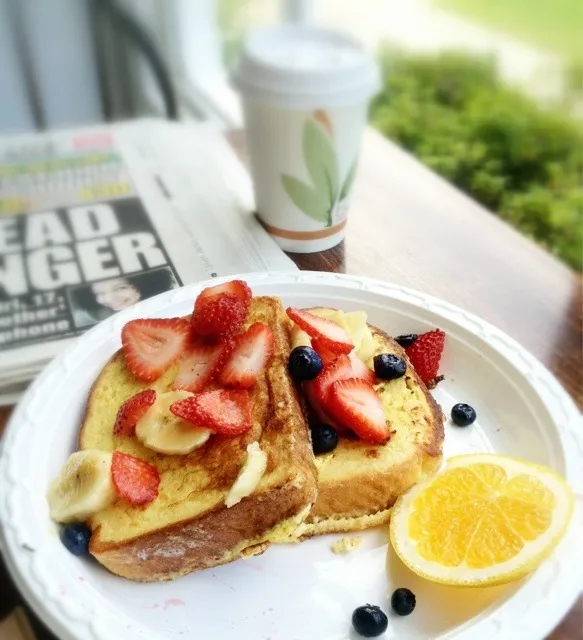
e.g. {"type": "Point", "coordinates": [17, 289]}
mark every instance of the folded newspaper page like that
{"type": "Point", "coordinates": [93, 221]}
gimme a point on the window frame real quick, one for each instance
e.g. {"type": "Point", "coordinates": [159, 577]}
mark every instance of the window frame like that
{"type": "Point", "coordinates": [189, 36]}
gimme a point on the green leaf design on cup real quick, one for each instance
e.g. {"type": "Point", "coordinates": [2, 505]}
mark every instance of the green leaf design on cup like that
{"type": "Point", "coordinates": [319, 199]}
{"type": "Point", "coordinates": [320, 158]}
{"type": "Point", "coordinates": [348, 181]}
{"type": "Point", "coordinates": [312, 202]}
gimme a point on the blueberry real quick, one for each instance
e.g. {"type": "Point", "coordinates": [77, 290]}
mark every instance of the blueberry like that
{"type": "Point", "coordinates": [324, 438]}
{"type": "Point", "coordinates": [369, 621]}
{"type": "Point", "coordinates": [388, 366]}
{"type": "Point", "coordinates": [463, 415]}
{"type": "Point", "coordinates": [406, 340]}
{"type": "Point", "coordinates": [304, 363]}
{"type": "Point", "coordinates": [403, 601]}
{"type": "Point", "coordinates": [76, 538]}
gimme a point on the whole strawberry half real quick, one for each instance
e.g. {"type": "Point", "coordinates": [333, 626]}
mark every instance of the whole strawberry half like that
{"type": "Point", "coordinates": [237, 287]}
{"type": "Point", "coordinates": [425, 354]}
{"type": "Point", "coordinates": [219, 314]}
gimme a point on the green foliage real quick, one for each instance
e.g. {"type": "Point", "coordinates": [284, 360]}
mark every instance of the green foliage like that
{"type": "Point", "coordinates": [555, 25]}
{"type": "Point", "coordinates": [521, 161]}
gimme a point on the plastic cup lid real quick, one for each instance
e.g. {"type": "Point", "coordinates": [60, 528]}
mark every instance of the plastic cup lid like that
{"type": "Point", "coordinates": [305, 66]}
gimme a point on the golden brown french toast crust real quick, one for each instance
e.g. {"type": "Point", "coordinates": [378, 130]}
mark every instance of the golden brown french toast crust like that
{"type": "Point", "coordinates": [215, 535]}
{"type": "Point", "coordinates": [377, 477]}
{"type": "Point", "coordinates": [220, 536]}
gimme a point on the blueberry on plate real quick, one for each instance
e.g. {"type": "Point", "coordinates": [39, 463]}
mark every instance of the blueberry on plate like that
{"type": "Point", "coordinates": [406, 340]}
{"type": "Point", "coordinates": [463, 414]}
{"type": "Point", "coordinates": [324, 438]}
{"type": "Point", "coordinates": [304, 363]}
{"type": "Point", "coordinates": [403, 601]}
{"type": "Point", "coordinates": [76, 538]}
{"type": "Point", "coordinates": [388, 366]}
{"type": "Point", "coordinates": [369, 621]}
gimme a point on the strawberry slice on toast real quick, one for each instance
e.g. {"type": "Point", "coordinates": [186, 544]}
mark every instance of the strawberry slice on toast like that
{"type": "Point", "coordinates": [360, 369]}
{"type": "Point", "coordinates": [319, 346]}
{"type": "Point", "coordinates": [132, 410]}
{"type": "Point", "coordinates": [198, 365]}
{"type": "Point", "coordinates": [318, 408]}
{"type": "Point", "coordinates": [134, 480]}
{"type": "Point", "coordinates": [317, 391]}
{"type": "Point", "coordinates": [340, 369]}
{"type": "Point", "coordinates": [329, 334]}
{"type": "Point", "coordinates": [224, 411]}
{"type": "Point", "coordinates": [248, 358]}
{"type": "Point", "coordinates": [151, 345]}
{"type": "Point", "coordinates": [357, 405]}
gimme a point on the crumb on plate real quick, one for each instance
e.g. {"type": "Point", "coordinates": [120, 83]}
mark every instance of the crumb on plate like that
{"type": "Point", "coordinates": [346, 544]}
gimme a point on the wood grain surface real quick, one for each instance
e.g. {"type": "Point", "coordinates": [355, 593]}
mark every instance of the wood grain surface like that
{"type": "Point", "coordinates": [408, 226]}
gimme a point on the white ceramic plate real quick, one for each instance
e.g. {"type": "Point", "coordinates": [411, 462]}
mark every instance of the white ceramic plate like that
{"type": "Point", "coordinates": [300, 591]}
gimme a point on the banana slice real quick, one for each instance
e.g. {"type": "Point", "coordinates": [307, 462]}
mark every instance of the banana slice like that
{"type": "Point", "coordinates": [368, 348]}
{"type": "Point", "coordinates": [299, 338]}
{"type": "Point", "coordinates": [82, 488]}
{"type": "Point", "coordinates": [249, 476]}
{"type": "Point", "coordinates": [354, 323]}
{"type": "Point", "coordinates": [160, 430]}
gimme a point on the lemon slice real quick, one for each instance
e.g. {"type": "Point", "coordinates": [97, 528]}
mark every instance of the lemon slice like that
{"type": "Point", "coordinates": [486, 519]}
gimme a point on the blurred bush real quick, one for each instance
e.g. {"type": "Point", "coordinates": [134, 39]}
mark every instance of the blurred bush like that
{"type": "Point", "coordinates": [520, 160]}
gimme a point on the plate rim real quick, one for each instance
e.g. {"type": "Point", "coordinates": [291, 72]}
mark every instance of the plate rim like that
{"type": "Point", "coordinates": [541, 620]}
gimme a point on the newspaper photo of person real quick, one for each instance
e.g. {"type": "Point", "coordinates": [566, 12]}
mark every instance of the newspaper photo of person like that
{"type": "Point", "coordinates": [97, 301]}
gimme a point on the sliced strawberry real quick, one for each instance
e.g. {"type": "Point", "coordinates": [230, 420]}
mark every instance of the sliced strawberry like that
{"type": "Point", "coordinates": [197, 366]}
{"type": "Point", "coordinates": [325, 418]}
{"type": "Point", "coordinates": [216, 315]}
{"type": "Point", "coordinates": [134, 480]}
{"type": "Point", "coordinates": [425, 354]}
{"type": "Point", "coordinates": [249, 357]}
{"type": "Point", "coordinates": [357, 406]}
{"type": "Point", "coordinates": [360, 369]}
{"type": "Point", "coordinates": [131, 411]}
{"type": "Point", "coordinates": [340, 369]}
{"type": "Point", "coordinates": [239, 287]}
{"type": "Point", "coordinates": [317, 390]}
{"type": "Point", "coordinates": [224, 411]}
{"type": "Point", "coordinates": [152, 345]}
{"type": "Point", "coordinates": [320, 347]}
{"type": "Point", "coordinates": [330, 334]}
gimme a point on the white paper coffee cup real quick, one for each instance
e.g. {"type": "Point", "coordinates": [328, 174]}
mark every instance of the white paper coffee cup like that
{"type": "Point", "coordinates": [305, 95]}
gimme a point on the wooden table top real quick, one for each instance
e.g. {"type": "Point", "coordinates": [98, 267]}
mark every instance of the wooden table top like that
{"type": "Point", "coordinates": [408, 226]}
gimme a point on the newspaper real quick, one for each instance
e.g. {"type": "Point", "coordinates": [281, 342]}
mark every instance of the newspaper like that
{"type": "Point", "coordinates": [94, 220]}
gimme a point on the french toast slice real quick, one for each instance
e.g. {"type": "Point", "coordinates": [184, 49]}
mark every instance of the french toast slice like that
{"type": "Point", "coordinates": [188, 527]}
{"type": "Point", "coordinates": [358, 483]}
